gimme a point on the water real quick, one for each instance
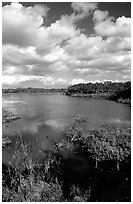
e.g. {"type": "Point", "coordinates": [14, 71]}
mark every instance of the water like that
{"type": "Point", "coordinates": [45, 118]}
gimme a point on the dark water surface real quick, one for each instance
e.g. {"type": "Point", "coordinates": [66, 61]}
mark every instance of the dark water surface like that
{"type": "Point", "coordinates": [45, 118]}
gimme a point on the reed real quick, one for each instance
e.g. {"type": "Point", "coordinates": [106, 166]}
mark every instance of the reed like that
{"type": "Point", "coordinates": [107, 151]}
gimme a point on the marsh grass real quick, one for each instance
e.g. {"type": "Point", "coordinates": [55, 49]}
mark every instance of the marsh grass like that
{"type": "Point", "coordinates": [107, 152]}
{"type": "Point", "coordinates": [106, 143]}
{"type": "Point", "coordinates": [26, 180]}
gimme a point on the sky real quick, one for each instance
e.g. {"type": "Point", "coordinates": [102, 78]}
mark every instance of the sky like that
{"type": "Point", "coordinates": [58, 44]}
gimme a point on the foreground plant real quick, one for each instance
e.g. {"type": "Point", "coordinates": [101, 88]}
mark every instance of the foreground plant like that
{"type": "Point", "coordinates": [106, 143]}
{"type": "Point", "coordinates": [106, 152]}
{"type": "Point", "coordinates": [22, 180]}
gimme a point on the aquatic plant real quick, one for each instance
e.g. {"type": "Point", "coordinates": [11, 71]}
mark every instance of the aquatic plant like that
{"type": "Point", "coordinates": [26, 180]}
{"type": "Point", "coordinates": [8, 116]}
{"type": "Point", "coordinates": [102, 144]}
{"type": "Point", "coordinates": [53, 177]}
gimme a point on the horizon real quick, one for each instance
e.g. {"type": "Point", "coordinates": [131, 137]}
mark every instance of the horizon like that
{"type": "Point", "coordinates": [59, 44]}
{"type": "Point", "coordinates": [68, 86]}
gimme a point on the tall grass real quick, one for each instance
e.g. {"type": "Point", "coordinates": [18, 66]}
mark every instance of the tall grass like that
{"type": "Point", "coordinates": [106, 143]}
{"type": "Point", "coordinates": [26, 180]}
{"type": "Point", "coordinates": [106, 150]}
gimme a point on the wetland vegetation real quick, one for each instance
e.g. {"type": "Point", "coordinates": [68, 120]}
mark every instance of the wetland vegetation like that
{"type": "Point", "coordinates": [99, 168]}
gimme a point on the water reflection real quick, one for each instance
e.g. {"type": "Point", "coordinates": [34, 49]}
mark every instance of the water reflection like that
{"type": "Point", "coordinates": [57, 123]}
{"type": "Point", "coordinates": [119, 121]}
{"type": "Point", "coordinates": [44, 119]}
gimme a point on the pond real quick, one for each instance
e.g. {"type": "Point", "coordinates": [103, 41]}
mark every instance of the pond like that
{"type": "Point", "coordinates": [45, 118]}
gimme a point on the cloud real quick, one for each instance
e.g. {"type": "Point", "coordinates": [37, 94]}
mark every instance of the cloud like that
{"type": "Point", "coordinates": [115, 44]}
{"type": "Point", "coordinates": [41, 9]}
{"type": "Point", "coordinates": [78, 81]}
{"type": "Point", "coordinates": [100, 15]}
{"type": "Point", "coordinates": [81, 10]}
{"type": "Point", "coordinates": [20, 24]}
{"type": "Point", "coordinates": [61, 54]}
{"type": "Point", "coordinates": [86, 71]}
{"type": "Point", "coordinates": [84, 8]}
{"type": "Point", "coordinates": [121, 27]}
{"type": "Point", "coordinates": [21, 78]}
{"type": "Point", "coordinates": [15, 79]}
{"type": "Point", "coordinates": [61, 81]}
{"type": "Point", "coordinates": [33, 80]}
{"type": "Point", "coordinates": [82, 47]}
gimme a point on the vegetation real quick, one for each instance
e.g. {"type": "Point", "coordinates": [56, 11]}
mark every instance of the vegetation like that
{"type": "Point", "coordinates": [106, 87]}
{"type": "Point", "coordinates": [103, 144]}
{"type": "Point", "coordinates": [99, 168]}
{"type": "Point", "coordinates": [8, 116]}
{"type": "Point", "coordinates": [24, 180]}
{"type": "Point", "coordinates": [123, 96]}
{"type": "Point", "coordinates": [33, 91]}
{"type": "Point", "coordinates": [116, 91]}
{"type": "Point", "coordinates": [5, 141]}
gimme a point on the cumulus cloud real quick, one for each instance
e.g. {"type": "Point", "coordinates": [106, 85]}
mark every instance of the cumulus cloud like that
{"type": "Point", "coordinates": [121, 27]}
{"type": "Point", "coordinates": [115, 44]}
{"type": "Point", "coordinates": [84, 8]}
{"type": "Point", "coordinates": [20, 24]}
{"type": "Point", "coordinates": [100, 15]}
{"type": "Point", "coordinates": [81, 10]}
{"type": "Point", "coordinates": [61, 54]}
{"type": "Point", "coordinates": [84, 47]}
{"type": "Point", "coordinates": [41, 9]}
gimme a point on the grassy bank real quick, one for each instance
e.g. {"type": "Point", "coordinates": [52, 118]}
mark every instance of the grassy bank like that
{"type": "Point", "coordinates": [99, 169]}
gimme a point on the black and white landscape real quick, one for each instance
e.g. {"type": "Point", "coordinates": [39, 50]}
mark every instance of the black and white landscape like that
{"type": "Point", "coordinates": [66, 102]}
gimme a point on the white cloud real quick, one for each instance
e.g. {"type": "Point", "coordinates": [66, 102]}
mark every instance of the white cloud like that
{"type": "Point", "coordinates": [86, 71]}
{"type": "Point", "coordinates": [41, 9]}
{"type": "Point", "coordinates": [84, 8]}
{"type": "Point", "coordinates": [115, 44]}
{"type": "Point", "coordinates": [81, 10]}
{"type": "Point", "coordinates": [62, 81]}
{"type": "Point", "coordinates": [15, 79]}
{"type": "Point", "coordinates": [78, 81]}
{"type": "Point", "coordinates": [48, 80]}
{"type": "Point", "coordinates": [100, 15]}
{"type": "Point", "coordinates": [20, 24]}
{"type": "Point", "coordinates": [121, 27]}
{"type": "Point", "coordinates": [84, 47]}
{"type": "Point", "coordinates": [57, 54]}
{"type": "Point", "coordinates": [9, 70]}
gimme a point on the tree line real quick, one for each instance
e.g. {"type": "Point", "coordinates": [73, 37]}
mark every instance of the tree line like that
{"type": "Point", "coordinates": [93, 88]}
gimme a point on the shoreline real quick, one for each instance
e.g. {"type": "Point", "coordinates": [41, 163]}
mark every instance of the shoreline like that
{"type": "Point", "coordinates": [102, 96]}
